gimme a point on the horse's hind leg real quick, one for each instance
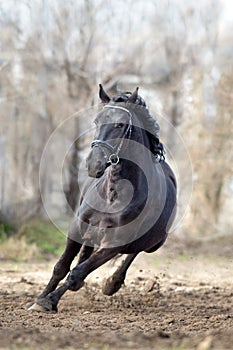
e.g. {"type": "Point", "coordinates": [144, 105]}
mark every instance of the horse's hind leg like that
{"type": "Point", "coordinates": [114, 283]}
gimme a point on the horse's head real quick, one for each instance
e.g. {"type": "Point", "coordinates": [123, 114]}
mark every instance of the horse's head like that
{"type": "Point", "coordinates": [123, 117]}
{"type": "Point", "coordinates": [113, 127]}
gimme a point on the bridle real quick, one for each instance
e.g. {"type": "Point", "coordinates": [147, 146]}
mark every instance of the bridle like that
{"type": "Point", "coordinates": [114, 159]}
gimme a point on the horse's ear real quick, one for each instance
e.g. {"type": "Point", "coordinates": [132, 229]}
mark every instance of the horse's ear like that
{"type": "Point", "coordinates": [134, 96]}
{"type": "Point", "coordinates": [102, 94]}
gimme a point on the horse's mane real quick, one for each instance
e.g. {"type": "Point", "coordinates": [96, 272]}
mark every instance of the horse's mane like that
{"type": "Point", "coordinates": [149, 123]}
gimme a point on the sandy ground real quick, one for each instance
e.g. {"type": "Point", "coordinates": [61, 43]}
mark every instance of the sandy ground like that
{"type": "Point", "coordinates": [177, 298]}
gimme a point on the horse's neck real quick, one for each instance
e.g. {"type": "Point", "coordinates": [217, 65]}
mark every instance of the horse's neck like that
{"type": "Point", "coordinates": [126, 169]}
{"type": "Point", "coordinates": [136, 158]}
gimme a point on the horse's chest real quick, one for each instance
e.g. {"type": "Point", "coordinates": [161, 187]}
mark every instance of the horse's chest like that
{"type": "Point", "coordinates": [107, 198]}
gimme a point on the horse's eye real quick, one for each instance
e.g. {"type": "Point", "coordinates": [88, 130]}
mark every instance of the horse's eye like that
{"type": "Point", "coordinates": [119, 125]}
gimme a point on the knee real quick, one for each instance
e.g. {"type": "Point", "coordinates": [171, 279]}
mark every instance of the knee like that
{"type": "Point", "coordinates": [75, 280]}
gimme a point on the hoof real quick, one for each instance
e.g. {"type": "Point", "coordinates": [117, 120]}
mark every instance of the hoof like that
{"type": "Point", "coordinates": [111, 286]}
{"type": "Point", "coordinates": [29, 305]}
{"type": "Point", "coordinates": [36, 307]}
{"type": "Point", "coordinates": [42, 305]}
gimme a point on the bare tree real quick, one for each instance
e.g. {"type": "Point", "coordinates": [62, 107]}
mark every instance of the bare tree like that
{"type": "Point", "coordinates": [58, 52]}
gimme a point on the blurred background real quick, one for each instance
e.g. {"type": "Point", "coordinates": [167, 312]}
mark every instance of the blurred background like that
{"type": "Point", "coordinates": [53, 55]}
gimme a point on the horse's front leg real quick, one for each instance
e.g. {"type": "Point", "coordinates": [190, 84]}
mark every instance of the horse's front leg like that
{"type": "Point", "coordinates": [60, 270]}
{"type": "Point", "coordinates": [75, 279]}
{"type": "Point", "coordinates": [62, 267]}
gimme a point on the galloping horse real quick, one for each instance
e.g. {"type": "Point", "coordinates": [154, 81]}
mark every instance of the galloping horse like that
{"type": "Point", "coordinates": [128, 202]}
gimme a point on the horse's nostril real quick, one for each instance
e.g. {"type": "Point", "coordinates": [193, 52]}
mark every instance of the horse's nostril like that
{"type": "Point", "coordinates": [99, 173]}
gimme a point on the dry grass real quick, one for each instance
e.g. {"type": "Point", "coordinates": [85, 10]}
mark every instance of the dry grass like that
{"type": "Point", "coordinates": [18, 250]}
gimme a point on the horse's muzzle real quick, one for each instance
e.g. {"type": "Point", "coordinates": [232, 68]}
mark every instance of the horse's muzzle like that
{"type": "Point", "coordinates": [96, 172]}
{"type": "Point", "coordinates": [95, 165]}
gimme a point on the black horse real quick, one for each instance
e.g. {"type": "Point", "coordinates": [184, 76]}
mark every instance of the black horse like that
{"type": "Point", "coordinates": [128, 201]}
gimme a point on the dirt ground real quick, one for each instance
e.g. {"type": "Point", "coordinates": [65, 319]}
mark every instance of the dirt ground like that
{"type": "Point", "coordinates": [177, 298]}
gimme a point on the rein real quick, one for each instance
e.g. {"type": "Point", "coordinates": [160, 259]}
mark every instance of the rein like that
{"type": "Point", "coordinates": [114, 159]}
